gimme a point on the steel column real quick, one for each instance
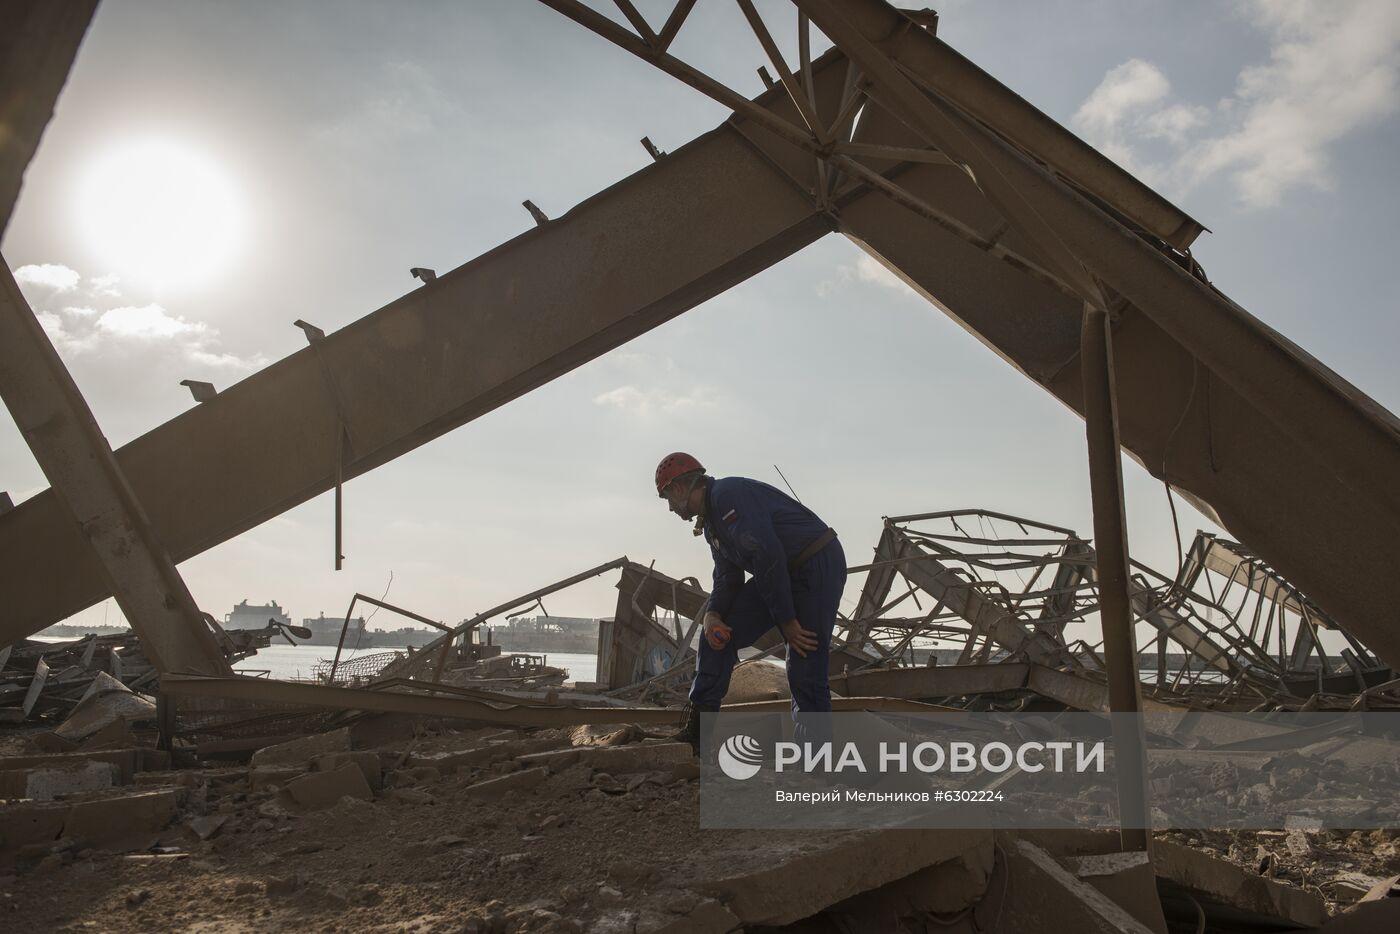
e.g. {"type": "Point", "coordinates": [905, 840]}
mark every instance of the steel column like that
{"type": "Point", "coordinates": [1111, 551]}
{"type": "Point", "coordinates": [102, 510]}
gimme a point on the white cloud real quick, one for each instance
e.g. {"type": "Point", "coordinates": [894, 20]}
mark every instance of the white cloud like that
{"type": "Point", "coordinates": [84, 325]}
{"type": "Point", "coordinates": [48, 276]}
{"type": "Point", "coordinates": [53, 326]}
{"type": "Point", "coordinates": [1125, 90]}
{"type": "Point", "coordinates": [1333, 69]}
{"type": "Point", "coordinates": [866, 270]}
{"type": "Point", "coordinates": [105, 285]}
{"type": "Point", "coordinates": [148, 322]}
{"type": "Point", "coordinates": [628, 398]}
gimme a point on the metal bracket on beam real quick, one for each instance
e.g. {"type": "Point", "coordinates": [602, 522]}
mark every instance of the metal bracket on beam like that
{"type": "Point", "coordinates": [651, 149]}
{"type": "Point", "coordinates": [313, 333]}
{"type": "Point", "coordinates": [540, 217]}
{"type": "Point", "coordinates": [767, 79]}
{"type": "Point", "coordinates": [927, 18]}
{"type": "Point", "coordinates": [201, 391]}
{"type": "Point", "coordinates": [423, 274]}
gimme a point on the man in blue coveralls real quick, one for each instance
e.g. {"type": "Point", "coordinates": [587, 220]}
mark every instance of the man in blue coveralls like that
{"type": "Point", "coordinates": [797, 573]}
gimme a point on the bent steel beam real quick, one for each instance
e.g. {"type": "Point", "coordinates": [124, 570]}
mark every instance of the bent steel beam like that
{"type": "Point", "coordinates": [1285, 453]}
{"type": "Point", "coordinates": [100, 508]}
{"type": "Point", "coordinates": [681, 230]}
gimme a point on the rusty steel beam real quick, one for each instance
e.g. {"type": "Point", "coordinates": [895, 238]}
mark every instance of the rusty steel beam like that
{"type": "Point", "coordinates": [100, 509]}
{"type": "Point", "coordinates": [38, 41]}
{"type": "Point", "coordinates": [680, 231]}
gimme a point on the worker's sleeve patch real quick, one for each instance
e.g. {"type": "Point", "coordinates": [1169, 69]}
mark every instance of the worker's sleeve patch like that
{"type": "Point", "coordinates": [731, 516]}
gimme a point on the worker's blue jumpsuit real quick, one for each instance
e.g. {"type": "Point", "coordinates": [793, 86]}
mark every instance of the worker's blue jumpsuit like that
{"type": "Point", "coordinates": [753, 527]}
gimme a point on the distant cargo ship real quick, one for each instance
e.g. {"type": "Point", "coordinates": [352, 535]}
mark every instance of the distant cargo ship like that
{"type": "Point", "coordinates": [325, 630]}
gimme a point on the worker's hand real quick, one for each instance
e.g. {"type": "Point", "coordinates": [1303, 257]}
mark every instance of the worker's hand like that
{"type": "Point", "coordinates": [798, 639]}
{"type": "Point", "coordinates": [717, 634]}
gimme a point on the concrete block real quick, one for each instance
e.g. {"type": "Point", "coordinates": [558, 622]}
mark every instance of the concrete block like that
{"type": "Point", "coordinates": [127, 761]}
{"type": "Point", "coordinates": [111, 820]}
{"type": "Point", "coordinates": [1215, 881]}
{"type": "Point", "coordinates": [1126, 878]}
{"type": "Point", "coordinates": [47, 783]}
{"type": "Point", "coordinates": [790, 879]}
{"type": "Point", "coordinates": [556, 760]}
{"type": "Point", "coordinates": [300, 752]}
{"type": "Point", "coordinates": [515, 781]}
{"type": "Point", "coordinates": [366, 762]}
{"type": "Point", "coordinates": [1377, 917]}
{"type": "Point", "coordinates": [708, 917]}
{"type": "Point", "coordinates": [1044, 894]}
{"type": "Point", "coordinates": [489, 754]}
{"type": "Point", "coordinates": [638, 757]}
{"type": "Point", "coordinates": [106, 702]}
{"type": "Point", "coordinates": [945, 888]}
{"type": "Point", "coordinates": [263, 779]}
{"type": "Point", "coordinates": [316, 790]}
{"type": "Point", "coordinates": [27, 822]}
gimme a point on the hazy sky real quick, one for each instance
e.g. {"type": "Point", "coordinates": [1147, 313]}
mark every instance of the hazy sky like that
{"type": "Point", "coordinates": [309, 153]}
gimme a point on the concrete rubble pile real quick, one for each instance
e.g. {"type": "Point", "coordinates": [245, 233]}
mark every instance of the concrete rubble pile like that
{"type": "Point", "coordinates": [399, 824]}
{"type": "Point", "coordinates": [50, 681]}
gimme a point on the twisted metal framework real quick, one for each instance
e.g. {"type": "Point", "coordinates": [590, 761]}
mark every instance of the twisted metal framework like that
{"type": "Point", "coordinates": [1005, 589]}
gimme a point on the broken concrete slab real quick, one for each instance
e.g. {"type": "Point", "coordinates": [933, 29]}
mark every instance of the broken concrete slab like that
{"type": "Point", "coordinates": [47, 783]}
{"type": "Point", "coordinates": [556, 760]}
{"type": "Point", "coordinates": [638, 757]}
{"type": "Point", "coordinates": [23, 823]}
{"type": "Point", "coordinates": [1128, 879]}
{"type": "Point", "coordinates": [316, 790]}
{"type": "Point", "coordinates": [1044, 889]}
{"type": "Point", "coordinates": [126, 761]}
{"type": "Point", "coordinates": [366, 762]}
{"type": "Point", "coordinates": [271, 777]}
{"type": "Point", "coordinates": [490, 753]}
{"type": "Point", "coordinates": [804, 874]}
{"type": "Point", "coordinates": [1229, 891]}
{"type": "Point", "coordinates": [107, 701]}
{"type": "Point", "coordinates": [944, 890]}
{"type": "Point", "coordinates": [300, 752]}
{"type": "Point", "coordinates": [514, 781]}
{"type": "Point", "coordinates": [707, 917]}
{"type": "Point", "coordinates": [104, 821]}
{"type": "Point", "coordinates": [1375, 917]}
{"type": "Point", "coordinates": [207, 826]}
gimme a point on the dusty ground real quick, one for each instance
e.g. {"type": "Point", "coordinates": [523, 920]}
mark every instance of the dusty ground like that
{"type": "Point", "coordinates": [584, 851]}
{"type": "Point", "coordinates": [1332, 863]}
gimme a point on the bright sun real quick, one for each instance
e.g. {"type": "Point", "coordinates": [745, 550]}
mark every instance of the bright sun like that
{"type": "Point", "coordinates": [160, 213]}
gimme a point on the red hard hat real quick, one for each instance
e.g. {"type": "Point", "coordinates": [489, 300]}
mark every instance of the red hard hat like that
{"type": "Point", "coordinates": [672, 466]}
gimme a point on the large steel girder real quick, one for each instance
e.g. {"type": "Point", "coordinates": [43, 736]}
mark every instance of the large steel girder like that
{"type": "Point", "coordinates": [1290, 457]}
{"type": "Point", "coordinates": [705, 217]}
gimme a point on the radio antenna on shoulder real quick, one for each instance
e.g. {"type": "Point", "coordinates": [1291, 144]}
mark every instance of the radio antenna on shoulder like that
{"type": "Point", "coordinates": [788, 485]}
